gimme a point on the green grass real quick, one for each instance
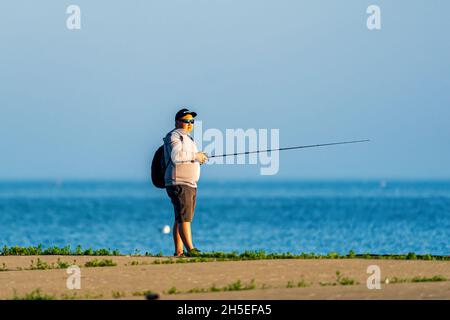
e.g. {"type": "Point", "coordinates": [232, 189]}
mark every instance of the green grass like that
{"type": "Point", "coordinates": [118, 294]}
{"type": "Point", "coordinates": [216, 256]}
{"type": "Point", "coordinates": [38, 295]}
{"type": "Point", "coordinates": [138, 263]}
{"type": "Point", "coordinates": [65, 251]}
{"type": "Point", "coordinates": [187, 260]}
{"type": "Point", "coordinates": [197, 290]}
{"type": "Point", "coordinates": [93, 296]}
{"type": "Point", "coordinates": [327, 283]}
{"type": "Point", "coordinates": [234, 286]}
{"type": "Point", "coordinates": [168, 261]}
{"type": "Point", "coordinates": [63, 265]}
{"type": "Point", "coordinates": [213, 288]}
{"type": "Point", "coordinates": [42, 265]}
{"type": "Point", "coordinates": [398, 280]}
{"type": "Point", "coordinates": [436, 278]}
{"type": "Point", "coordinates": [143, 293]}
{"type": "Point", "coordinates": [261, 255]}
{"type": "Point", "coordinates": [237, 286]}
{"type": "Point", "coordinates": [39, 265]}
{"type": "Point", "coordinates": [100, 263]}
{"type": "Point", "coordinates": [173, 290]}
{"type": "Point", "coordinates": [72, 296]}
{"type": "Point", "coordinates": [343, 281]}
{"type": "Point", "coordinates": [34, 295]}
{"type": "Point", "coordinates": [75, 296]}
{"type": "Point", "coordinates": [302, 284]}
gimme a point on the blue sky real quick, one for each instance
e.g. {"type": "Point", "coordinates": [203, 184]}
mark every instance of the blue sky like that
{"type": "Point", "coordinates": [95, 103]}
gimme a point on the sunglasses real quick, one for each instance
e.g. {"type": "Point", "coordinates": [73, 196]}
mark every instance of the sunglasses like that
{"type": "Point", "coordinates": [187, 120]}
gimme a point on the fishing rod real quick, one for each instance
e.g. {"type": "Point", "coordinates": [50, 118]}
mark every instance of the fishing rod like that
{"type": "Point", "coordinates": [289, 148]}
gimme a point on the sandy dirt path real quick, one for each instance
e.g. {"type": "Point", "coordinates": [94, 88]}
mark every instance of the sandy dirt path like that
{"type": "Point", "coordinates": [134, 275]}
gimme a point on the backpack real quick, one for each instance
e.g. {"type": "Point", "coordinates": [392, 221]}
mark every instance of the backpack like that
{"type": "Point", "coordinates": [159, 167]}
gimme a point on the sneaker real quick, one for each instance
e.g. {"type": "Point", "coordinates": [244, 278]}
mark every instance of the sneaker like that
{"type": "Point", "coordinates": [182, 255]}
{"type": "Point", "coordinates": [194, 252]}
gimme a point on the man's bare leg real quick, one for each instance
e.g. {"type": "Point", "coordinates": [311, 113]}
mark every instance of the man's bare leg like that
{"type": "Point", "coordinates": [184, 228]}
{"type": "Point", "coordinates": [177, 240]}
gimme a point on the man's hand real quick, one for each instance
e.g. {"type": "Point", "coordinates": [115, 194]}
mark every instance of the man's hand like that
{"type": "Point", "coordinates": [201, 157]}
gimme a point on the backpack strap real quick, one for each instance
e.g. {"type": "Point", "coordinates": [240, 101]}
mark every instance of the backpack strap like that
{"type": "Point", "coordinates": [170, 158]}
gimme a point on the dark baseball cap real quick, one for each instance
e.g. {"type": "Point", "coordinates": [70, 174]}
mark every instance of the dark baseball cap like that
{"type": "Point", "coordinates": [180, 114]}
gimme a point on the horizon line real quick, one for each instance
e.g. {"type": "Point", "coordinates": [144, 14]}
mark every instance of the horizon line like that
{"type": "Point", "coordinates": [221, 180]}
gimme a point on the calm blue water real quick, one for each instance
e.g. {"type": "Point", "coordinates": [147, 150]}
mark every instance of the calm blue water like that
{"type": "Point", "coordinates": [321, 217]}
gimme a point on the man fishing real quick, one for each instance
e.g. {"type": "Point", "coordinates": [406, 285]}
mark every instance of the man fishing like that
{"type": "Point", "coordinates": [181, 177]}
{"type": "Point", "coordinates": [183, 172]}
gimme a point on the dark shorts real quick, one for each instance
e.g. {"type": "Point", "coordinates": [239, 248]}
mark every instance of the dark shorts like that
{"type": "Point", "coordinates": [183, 200]}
